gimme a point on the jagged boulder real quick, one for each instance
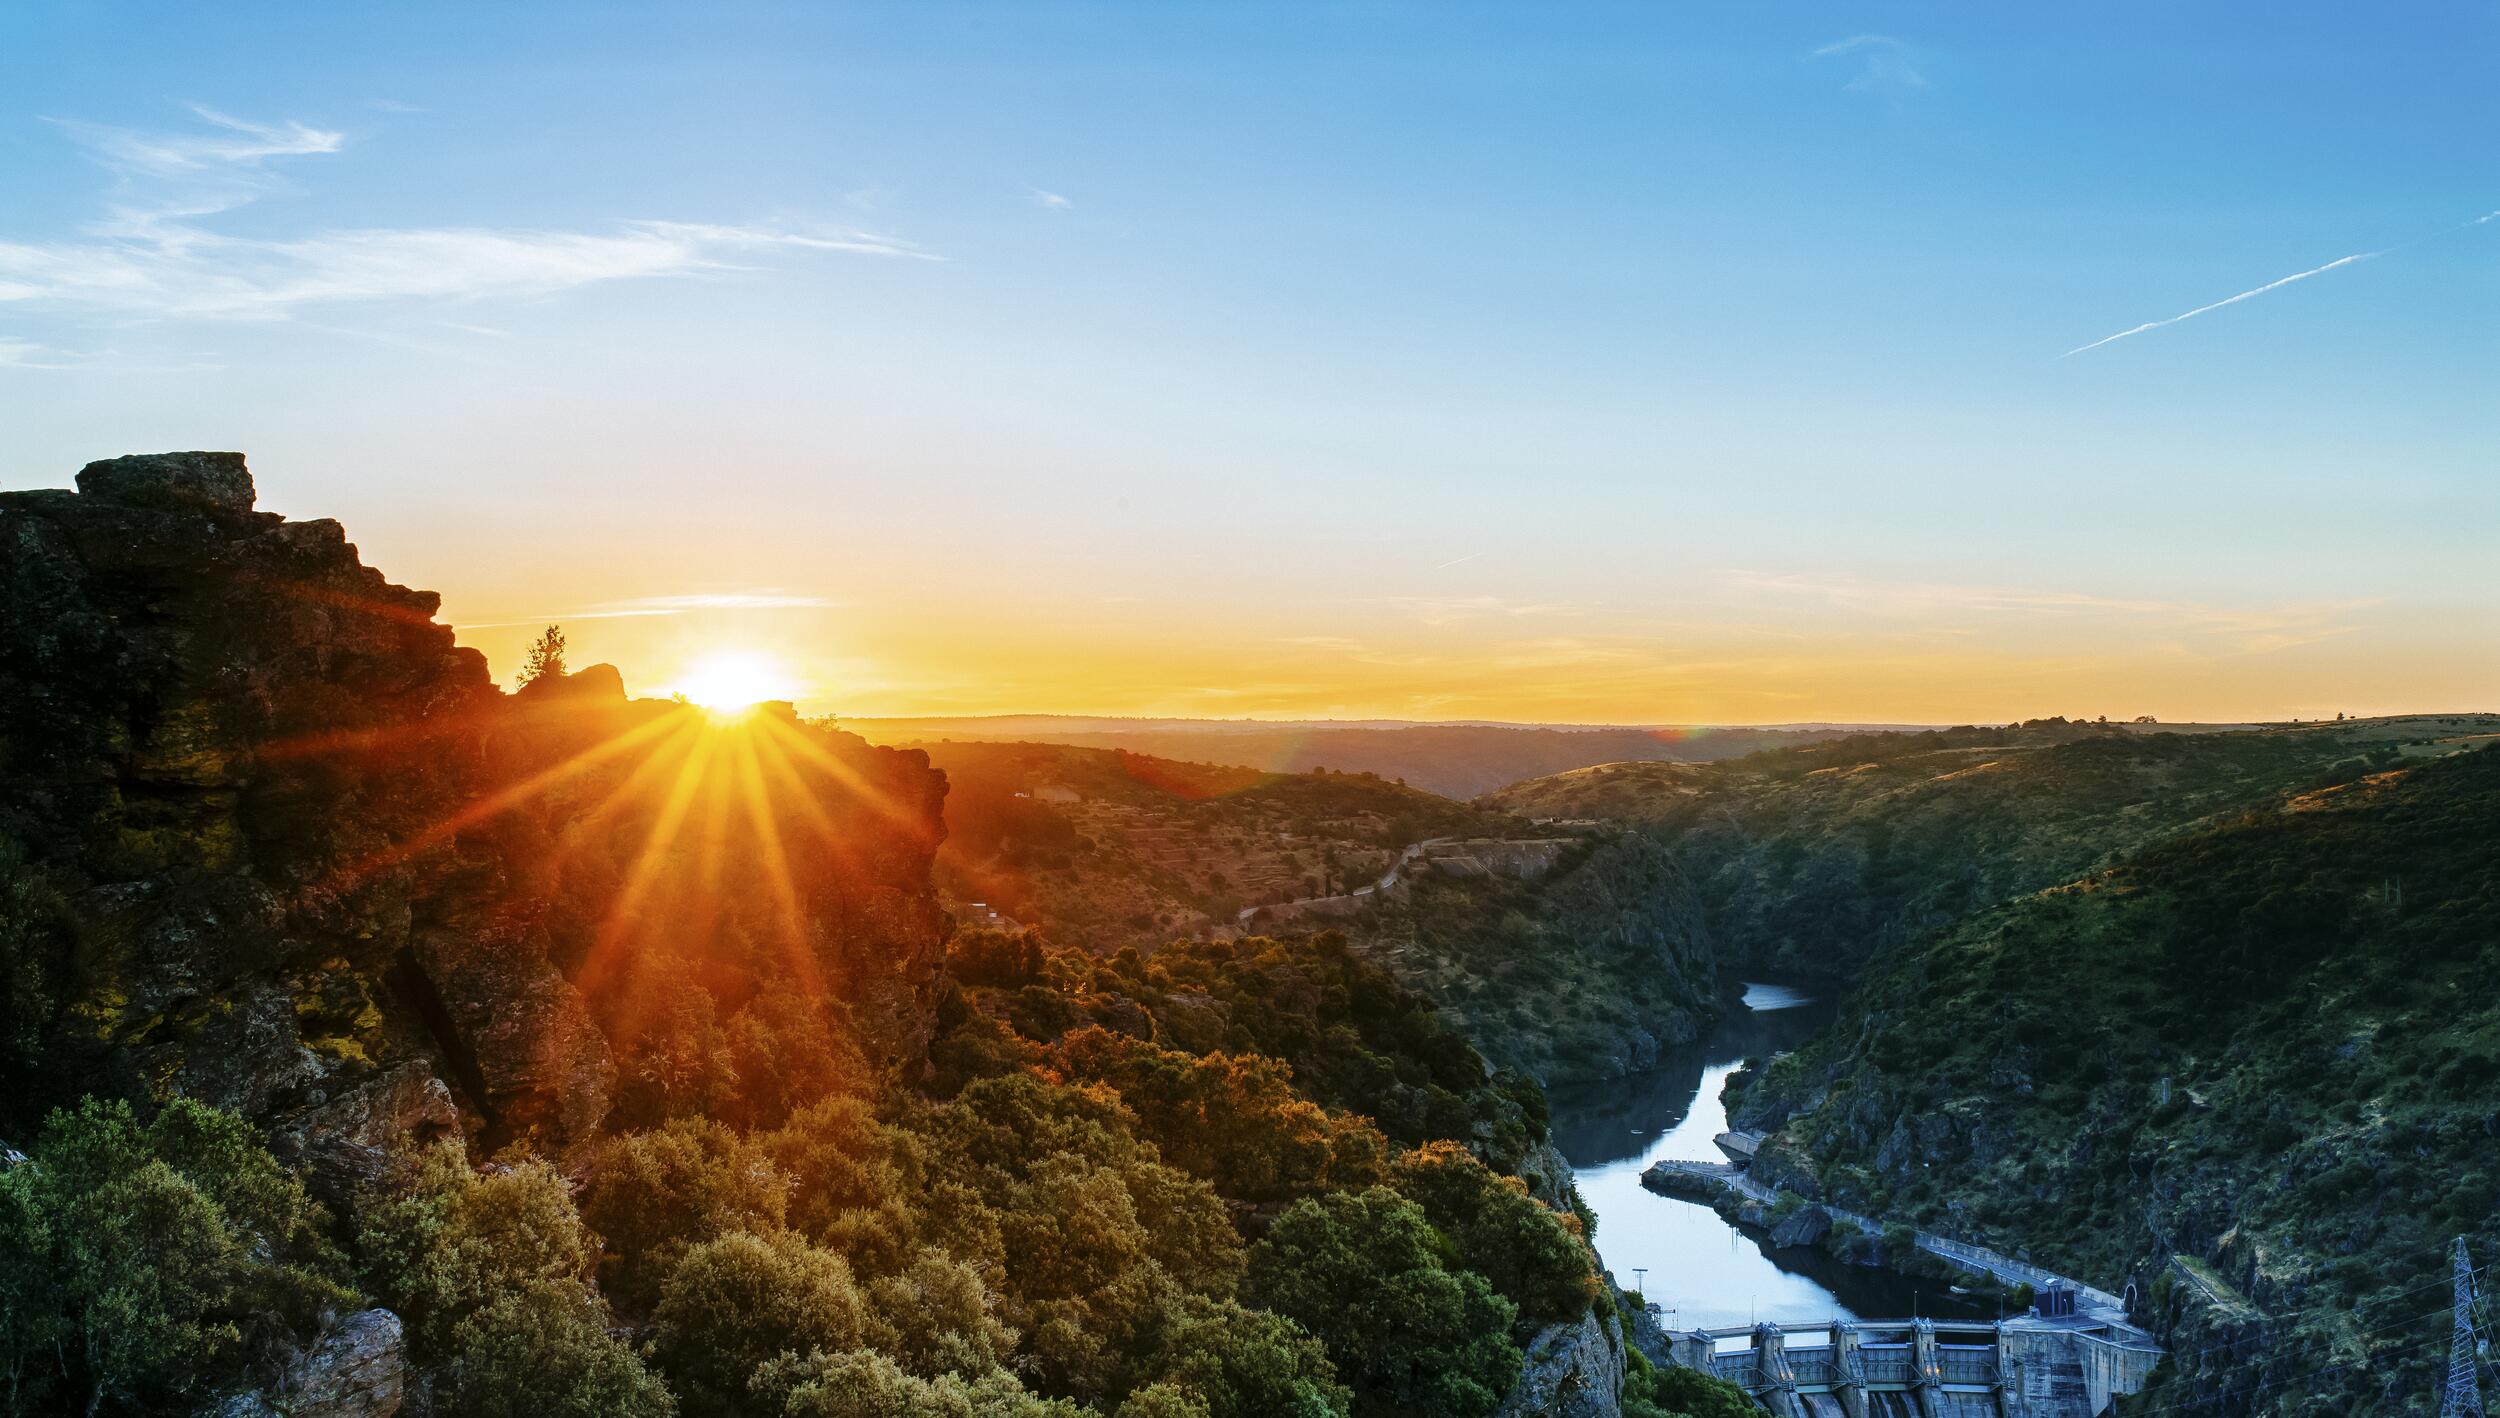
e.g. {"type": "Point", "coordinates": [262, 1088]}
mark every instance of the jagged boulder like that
{"type": "Point", "coordinates": [529, 1041]}
{"type": "Point", "coordinates": [1806, 1226]}
{"type": "Point", "coordinates": [1548, 1175]}
{"type": "Point", "coordinates": [594, 683]}
{"type": "Point", "coordinates": [214, 720]}
{"type": "Point", "coordinates": [1572, 1370]}
{"type": "Point", "coordinates": [214, 483]}
{"type": "Point", "coordinates": [346, 1144]}
{"type": "Point", "coordinates": [358, 1368]}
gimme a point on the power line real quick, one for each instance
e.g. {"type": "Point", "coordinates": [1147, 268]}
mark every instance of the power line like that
{"type": "Point", "coordinates": [2462, 1396]}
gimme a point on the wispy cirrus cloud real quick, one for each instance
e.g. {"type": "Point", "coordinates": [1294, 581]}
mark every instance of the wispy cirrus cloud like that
{"type": "Point", "coordinates": [222, 143]}
{"type": "Point", "coordinates": [1044, 198]}
{"type": "Point", "coordinates": [692, 603]}
{"type": "Point", "coordinates": [155, 252]}
{"type": "Point", "coordinates": [180, 269]}
{"type": "Point", "coordinates": [1885, 63]}
{"type": "Point", "coordinates": [27, 354]}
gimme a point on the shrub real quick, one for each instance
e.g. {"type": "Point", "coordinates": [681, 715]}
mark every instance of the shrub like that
{"type": "Point", "coordinates": [1528, 1251]}
{"type": "Point", "coordinates": [1673, 1392]}
{"type": "Point", "coordinates": [542, 1350]}
{"type": "Point", "coordinates": [859, 1384]}
{"type": "Point", "coordinates": [1365, 1273]}
{"type": "Point", "coordinates": [737, 1302]}
{"type": "Point", "coordinates": [146, 1265]}
{"type": "Point", "coordinates": [490, 1273]}
{"type": "Point", "coordinates": [652, 1194]}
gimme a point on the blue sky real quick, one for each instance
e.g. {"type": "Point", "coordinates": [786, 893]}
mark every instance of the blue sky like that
{"type": "Point", "coordinates": [1692, 362]}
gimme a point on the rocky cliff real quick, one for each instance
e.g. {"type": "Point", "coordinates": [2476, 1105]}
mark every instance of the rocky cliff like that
{"type": "Point", "coordinates": [271, 839]}
{"type": "Point", "coordinates": [1572, 1370]}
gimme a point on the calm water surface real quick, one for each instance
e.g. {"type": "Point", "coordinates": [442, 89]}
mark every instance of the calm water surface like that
{"type": "Point", "coordinates": [1704, 1273]}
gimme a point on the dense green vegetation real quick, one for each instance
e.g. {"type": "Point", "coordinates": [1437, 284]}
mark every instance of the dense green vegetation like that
{"type": "Point", "coordinates": [139, 1261]}
{"type": "Point", "coordinates": [1807, 862]}
{"type": "Point", "coordinates": [1583, 973]}
{"type": "Point", "coordinates": [1120, 848]}
{"type": "Point", "coordinates": [1131, 1187]}
{"type": "Point", "coordinates": [2269, 1048]}
{"type": "Point", "coordinates": [1587, 974]}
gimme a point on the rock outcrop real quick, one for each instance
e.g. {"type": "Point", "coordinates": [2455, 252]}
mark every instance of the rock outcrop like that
{"type": "Point", "coordinates": [1572, 1371]}
{"type": "Point", "coordinates": [345, 1144]}
{"type": "Point", "coordinates": [1806, 1226]}
{"type": "Point", "coordinates": [270, 838]}
{"type": "Point", "coordinates": [358, 1368]}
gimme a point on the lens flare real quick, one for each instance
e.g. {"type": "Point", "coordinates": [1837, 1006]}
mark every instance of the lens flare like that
{"type": "Point", "coordinates": [731, 682]}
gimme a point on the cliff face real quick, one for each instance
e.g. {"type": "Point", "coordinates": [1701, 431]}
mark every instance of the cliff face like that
{"type": "Point", "coordinates": [269, 838]}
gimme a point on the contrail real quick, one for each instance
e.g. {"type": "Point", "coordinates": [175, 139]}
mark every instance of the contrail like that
{"type": "Point", "coordinates": [2232, 300]}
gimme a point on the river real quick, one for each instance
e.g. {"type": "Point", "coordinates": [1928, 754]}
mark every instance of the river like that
{"type": "Point", "coordinates": [1702, 1272]}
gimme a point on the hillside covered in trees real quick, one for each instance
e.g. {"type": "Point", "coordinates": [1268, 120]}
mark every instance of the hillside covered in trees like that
{"type": "Point", "coordinates": [1805, 863]}
{"type": "Point", "coordinates": [1453, 760]}
{"type": "Point", "coordinates": [1127, 848]}
{"type": "Point", "coordinates": [382, 1042]}
{"type": "Point", "coordinates": [1563, 956]}
{"type": "Point", "coordinates": [2253, 1066]}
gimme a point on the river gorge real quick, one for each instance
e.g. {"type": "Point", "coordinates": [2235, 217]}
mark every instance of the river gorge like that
{"type": "Point", "coordinates": [1699, 1270]}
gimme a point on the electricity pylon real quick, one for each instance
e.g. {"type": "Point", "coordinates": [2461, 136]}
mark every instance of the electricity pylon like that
{"type": "Point", "coordinates": [2462, 1398]}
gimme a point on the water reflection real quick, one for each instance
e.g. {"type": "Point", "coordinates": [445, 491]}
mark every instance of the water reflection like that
{"type": "Point", "coordinates": [1704, 1272]}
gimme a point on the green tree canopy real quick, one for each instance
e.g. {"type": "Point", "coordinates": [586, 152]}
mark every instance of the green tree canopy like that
{"type": "Point", "coordinates": [1367, 1273]}
{"type": "Point", "coordinates": [144, 1265]}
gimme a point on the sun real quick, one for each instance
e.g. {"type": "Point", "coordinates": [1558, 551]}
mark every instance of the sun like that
{"type": "Point", "coordinates": [731, 682]}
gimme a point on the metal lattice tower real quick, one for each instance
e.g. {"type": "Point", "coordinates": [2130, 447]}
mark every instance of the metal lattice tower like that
{"type": "Point", "coordinates": [2462, 1398]}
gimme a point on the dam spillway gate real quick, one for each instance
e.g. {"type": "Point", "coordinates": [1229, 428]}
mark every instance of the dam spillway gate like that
{"type": "Point", "coordinates": [2030, 1367]}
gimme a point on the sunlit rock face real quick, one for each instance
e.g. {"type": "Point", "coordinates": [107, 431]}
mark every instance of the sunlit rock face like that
{"type": "Point", "coordinates": [268, 837]}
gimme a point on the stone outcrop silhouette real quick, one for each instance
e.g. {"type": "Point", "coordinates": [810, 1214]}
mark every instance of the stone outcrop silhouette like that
{"type": "Point", "coordinates": [270, 838]}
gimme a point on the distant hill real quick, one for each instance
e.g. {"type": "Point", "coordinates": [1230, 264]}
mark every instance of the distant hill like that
{"type": "Point", "coordinates": [1124, 848]}
{"type": "Point", "coordinates": [2253, 1064]}
{"type": "Point", "coordinates": [1454, 760]}
{"type": "Point", "coordinates": [1564, 957]}
{"type": "Point", "coordinates": [1806, 861]}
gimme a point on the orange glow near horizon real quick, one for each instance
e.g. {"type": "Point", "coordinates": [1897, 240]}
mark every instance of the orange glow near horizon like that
{"type": "Point", "coordinates": [729, 683]}
{"type": "Point", "coordinates": [942, 655]}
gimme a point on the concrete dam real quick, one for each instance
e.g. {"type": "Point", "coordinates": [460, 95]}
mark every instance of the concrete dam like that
{"type": "Point", "coordinates": [2032, 1367]}
{"type": "Point", "coordinates": [2064, 1360]}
